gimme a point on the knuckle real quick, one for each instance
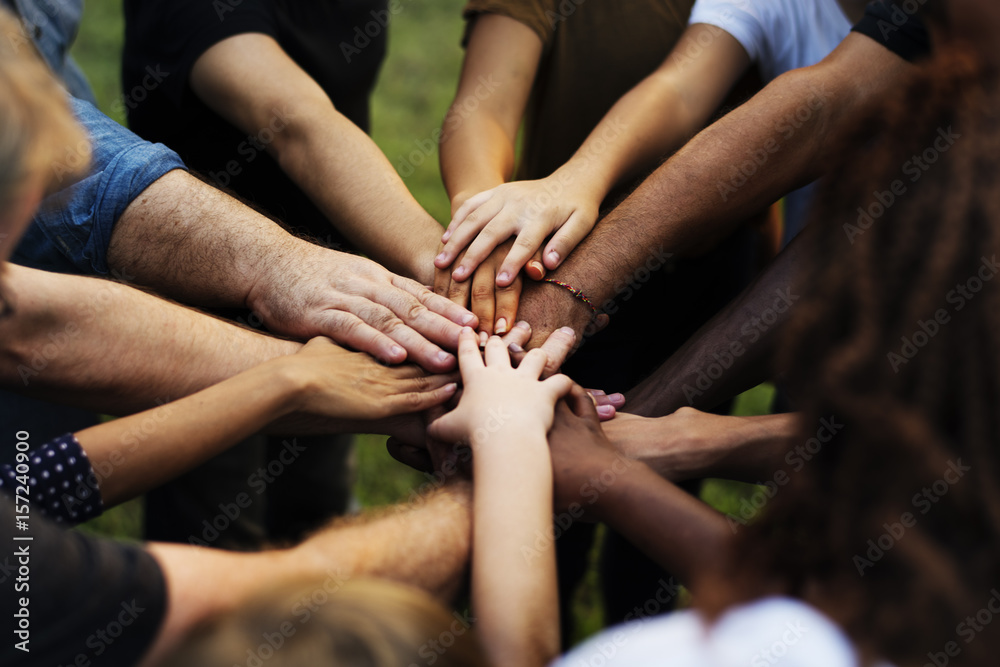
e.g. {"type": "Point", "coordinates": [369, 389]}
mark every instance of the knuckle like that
{"type": "Point", "coordinates": [482, 292]}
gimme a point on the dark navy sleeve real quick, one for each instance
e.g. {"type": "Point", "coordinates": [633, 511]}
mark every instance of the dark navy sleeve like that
{"type": "Point", "coordinates": [61, 483]}
{"type": "Point", "coordinates": [897, 27]}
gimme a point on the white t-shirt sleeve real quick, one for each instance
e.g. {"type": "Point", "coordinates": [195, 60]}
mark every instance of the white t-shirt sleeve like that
{"type": "Point", "coordinates": [750, 23]}
{"type": "Point", "coordinates": [760, 634]}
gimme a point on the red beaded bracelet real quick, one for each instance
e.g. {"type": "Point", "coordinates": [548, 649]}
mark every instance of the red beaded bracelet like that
{"type": "Point", "coordinates": [578, 293]}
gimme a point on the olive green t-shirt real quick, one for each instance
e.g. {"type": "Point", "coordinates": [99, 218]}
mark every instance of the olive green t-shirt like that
{"type": "Point", "coordinates": [594, 51]}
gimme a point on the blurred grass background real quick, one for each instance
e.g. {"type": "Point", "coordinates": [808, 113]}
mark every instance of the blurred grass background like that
{"type": "Point", "coordinates": [416, 86]}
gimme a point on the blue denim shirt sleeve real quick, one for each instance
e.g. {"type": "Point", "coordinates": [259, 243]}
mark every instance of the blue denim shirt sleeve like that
{"type": "Point", "coordinates": [72, 229]}
{"type": "Point", "coordinates": [52, 25]}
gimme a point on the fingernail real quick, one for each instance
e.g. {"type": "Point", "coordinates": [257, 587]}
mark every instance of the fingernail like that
{"type": "Point", "coordinates": [468, 318]}
{"type": "Point", "coordinates": [523, 325]}
{"type": "Point", "coordinates": [501, 327]}
{"type": "Point", "coordinates": [617, 398]}
{"type": "Point", "coordinates": [459, 273]}
{"type": "Point", "coordinates": [483, 337]}
{"type": "Point", "coordinates": [537, 266]}
{"type": "Point", "coordinates": [503, 277]}
{"type": "Point", "coordinates": [605, 410]}
{"type": "Point", "coordinates": [446, 236]}
{"type": "Point", "coordinates": [440, 258]}
{"type": "Point", "coordinates": [450, 387]}
{"type": "Point", "coordinates": [568, 331]}
{"type": "Point", "coordinates": [397, 351]}
{"type": "Point", "coordinates": [553, 255]}
{"type": "Point", "coordinates": [467, 329]}
{"type": "Point", "coordinates": [444, 357]}
{"type": "Point", "coordinates": [515, 348]}
{"type": "Point", "coordinates": [597, 392]}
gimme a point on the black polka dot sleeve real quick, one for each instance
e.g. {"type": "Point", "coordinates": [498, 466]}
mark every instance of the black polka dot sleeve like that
{"type": "Point", "coordinates": [61, 482]}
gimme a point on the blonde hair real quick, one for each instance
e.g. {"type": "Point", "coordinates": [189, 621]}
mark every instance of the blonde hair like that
{"type": "Point", "coordinates": [361, 623]}
{"type": "Point", "coordinates": [39, 137]}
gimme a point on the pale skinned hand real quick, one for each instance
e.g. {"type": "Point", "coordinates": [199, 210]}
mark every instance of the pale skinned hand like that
{"type": "Point", "coordinates": [531, 211]}
{"type": "Point", "coordinates": [360, 304]}
{"type": "Point", "coordinates": [336, 383]}
{"type": "Point", "coordinates": [494, 389]}
{"type": "Point", "coordinates": [495, 306]}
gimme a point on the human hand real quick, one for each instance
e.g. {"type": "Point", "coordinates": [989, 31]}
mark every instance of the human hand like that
{"type": "Point", "coordinates": [331, 382]}
{"type": "Point", "coordinates": [583, 460]}
{"type": "Point", "coordinates": [356, 302]}
{"type": "Point", "coordinates": [509, 400]}
{"type": "Point", "coordinates": [548, 307]}
{"type": "Point", "coordinates": [530, 210]}
{"type": "Point", "coordinates": [495, 306]}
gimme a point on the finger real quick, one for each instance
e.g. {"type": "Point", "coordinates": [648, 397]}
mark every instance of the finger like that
{"type": "Point", "coordinates": [418, 401]}
{"type": "Point", "coordinates": [557, 347]}
{"type": "Point", "coordinates": [483, 299]}
{"type": "Point", "coordinates": [560, 385]}
{"type": "Point", "coordinates": [458, 292]}
{"type": "Point", "coordinates": [414, 457]}
{"type": "Point", "coordinates": [581, 403]}
{"type": "Point", "coordinates": [435, 303]}
{"type": "Point", "coordinates": [470, 205]}
{"type": "Point", "coordinates": [351, 330]}
{"type": "Point", "coordinates": [496, 353]}
{"type": "Point", "coordinates": [498, 231]}
{"type": "Point", "coordinates": [533, 363]}
{"type": "Point", "coordinates": [416, 348]}
{"type": "Point", "coordinates": [519, 335]}
{"type": "Point", "coordinates": [476, 226]}
{"type": "Point", "coordinates": [534, 268]}
{"type": "Point", "coordinates": [469, 358]}
{"type": "Point", "coordinates": [462, 230]}
{"type": "Point", "coordinates": [507, 300]}
{"type": "Point", "coordinates": [528, 242]}
{"type": "Point", "coordinates": [566, 239]}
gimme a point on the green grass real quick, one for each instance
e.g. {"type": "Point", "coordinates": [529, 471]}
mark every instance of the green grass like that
{"type": "Point", "coordinates": [415, 88]}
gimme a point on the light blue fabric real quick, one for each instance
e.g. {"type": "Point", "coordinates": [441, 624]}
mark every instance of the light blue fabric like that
{"type": "Point", "coordinates": [72, 229]}
{"type": "Point", "coordinates": [52, 25]}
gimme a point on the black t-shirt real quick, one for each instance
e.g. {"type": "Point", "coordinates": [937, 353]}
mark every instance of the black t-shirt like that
{"type": "Point", "coordinates": [89, 601]}
{"type": "Point", "coordinates": [339, 43]}
{"type": "Point", "coordinates": [898, 27]}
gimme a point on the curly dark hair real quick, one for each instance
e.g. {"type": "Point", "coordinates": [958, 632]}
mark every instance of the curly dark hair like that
{"type": "Point", "coordinates": [893, 530]}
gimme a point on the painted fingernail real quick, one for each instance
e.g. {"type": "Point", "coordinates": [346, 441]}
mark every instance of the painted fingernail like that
{"type": "Point", "coordinates": [515, 348]}
{"type": "Point", "coordinates": [605, 410]}
{"type": "Point", "coordinates": [553, 255]}
{"type": "Point", "coordinates": [444, 357]}
{"type": "Point", "coordinates": [568, 331]}
{"type": "Point", "coordinates": [523, 325]}
{"type": "Point", "coordinates": [501, 327]}
{"type": "Point", "coordinates": [503, 277]}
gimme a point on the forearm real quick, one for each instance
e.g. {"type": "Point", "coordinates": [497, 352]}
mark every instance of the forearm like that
{"type": "Point", "coordinates": [114, 349]}
{"type": "Point", "coordinates": [513, 577]}
{"type": "Point", "coordinates": [144, 450]}
{"type": "Point", "coordinates": [673, 528]}
{"type": "Point", "coordinates": [369, 204]}
{"type": "Point", "coordinates": [733, 351]}
{"type": "Point", "coordinates": [189, 241]}
{"type": "Point", "coordinates": [424, 545]}
{"type": "Point", "coordinates": [477, 155]}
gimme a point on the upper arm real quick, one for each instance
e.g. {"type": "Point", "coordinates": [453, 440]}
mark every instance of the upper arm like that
{"type": "Point", "coordinates": [501, 61]}
{"type": "Point", "coordinates": [250, 81]}
{"type": "Point", "coordinates": [702, 68]}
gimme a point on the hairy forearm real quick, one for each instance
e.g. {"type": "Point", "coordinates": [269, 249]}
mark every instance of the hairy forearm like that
{"type": "Point", "coordinates": [108, 347]}
{"type": "Point", "coordinates": [187, 240]}
{"type": "Point", "coordinates": [370, 204]}
{"type": "Point", "coordinates": [730, 353]}
{"type": "Point", "coordinates": [424, 545]}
